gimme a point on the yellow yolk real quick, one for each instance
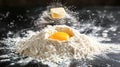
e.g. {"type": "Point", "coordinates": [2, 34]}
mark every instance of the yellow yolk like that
{"type": "Point", "coordinates": [59, 36]}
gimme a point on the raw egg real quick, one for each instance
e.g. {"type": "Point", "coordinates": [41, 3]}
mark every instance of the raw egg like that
{"type": "Point", "coordinates": [59, 36]}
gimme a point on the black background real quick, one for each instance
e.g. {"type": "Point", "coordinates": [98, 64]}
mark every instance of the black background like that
{"type": "Point", "coordinates": [23, 13]}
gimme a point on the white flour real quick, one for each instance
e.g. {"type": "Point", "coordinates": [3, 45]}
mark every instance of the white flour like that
{"type": "Point", "coordinates": [39, 46]}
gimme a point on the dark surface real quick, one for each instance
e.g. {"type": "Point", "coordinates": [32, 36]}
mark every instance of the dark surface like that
{"type": "Point", "coordinates": [77, 3]}
{"type": "Point", "coordinates": [17, 19]}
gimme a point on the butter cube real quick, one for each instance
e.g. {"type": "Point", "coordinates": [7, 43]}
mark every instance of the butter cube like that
{"type": "Point", "coordinates": [57, 13]}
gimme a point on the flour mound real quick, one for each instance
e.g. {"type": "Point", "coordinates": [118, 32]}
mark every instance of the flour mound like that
{"type": "Point", "coordinates": [39, 46]}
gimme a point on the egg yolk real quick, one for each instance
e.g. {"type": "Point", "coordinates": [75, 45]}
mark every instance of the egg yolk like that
{"type": "Point", "coordinates": [59, 36]}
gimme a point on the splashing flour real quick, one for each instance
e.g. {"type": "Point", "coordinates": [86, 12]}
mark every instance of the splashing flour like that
{"type": "Point", "coordinates": [39, 46]}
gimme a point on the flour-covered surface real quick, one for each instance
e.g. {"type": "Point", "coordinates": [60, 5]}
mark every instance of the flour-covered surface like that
{"type": "Point", "coordinates": [102, 23]}
{"type": "Point", "coordinates": [78, 46]}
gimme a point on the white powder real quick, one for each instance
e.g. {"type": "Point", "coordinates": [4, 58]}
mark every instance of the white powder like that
{"type": "Point", "coordinates": [79, 46]}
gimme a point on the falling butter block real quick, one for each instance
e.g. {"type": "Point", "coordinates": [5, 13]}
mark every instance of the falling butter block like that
{"type": "Point", "coordinates": [57, 13]}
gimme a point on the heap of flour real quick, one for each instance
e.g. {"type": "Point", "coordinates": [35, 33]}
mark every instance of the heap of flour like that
{"type": "Point", "coordinates": [78, 46]}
